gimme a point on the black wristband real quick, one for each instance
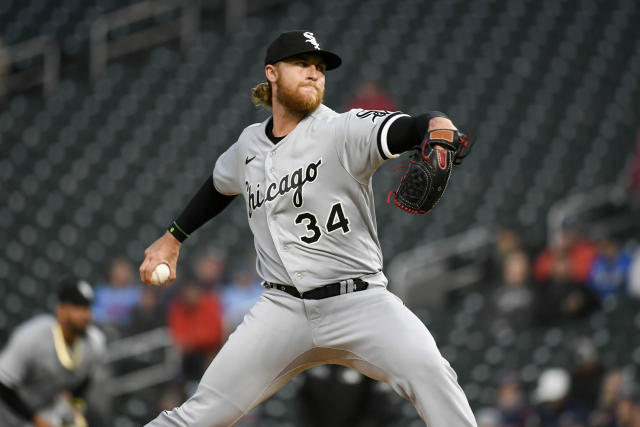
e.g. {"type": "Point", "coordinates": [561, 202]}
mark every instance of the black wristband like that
{"type": "Point", "coordinates": [177, 232]}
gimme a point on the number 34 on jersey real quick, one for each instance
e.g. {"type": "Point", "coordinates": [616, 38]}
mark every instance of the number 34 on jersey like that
{"type": "Point", "coordinates": [336, 221]}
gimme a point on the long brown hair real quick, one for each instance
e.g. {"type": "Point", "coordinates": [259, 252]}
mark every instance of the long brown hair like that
{"type": "Point", "coordinates": [261, 95]}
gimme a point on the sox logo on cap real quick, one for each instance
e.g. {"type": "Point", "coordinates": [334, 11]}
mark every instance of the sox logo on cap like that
{"type": "Point", "coordinates": [311, 39]}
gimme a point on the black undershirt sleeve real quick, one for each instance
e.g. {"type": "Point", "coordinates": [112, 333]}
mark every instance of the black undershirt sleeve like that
{"type": "Point", "coordinates": [15, 403]}
{"type": "Point", "coordinates": [407, 132]}
{"type": "Point", "coordinates": [206, 204]}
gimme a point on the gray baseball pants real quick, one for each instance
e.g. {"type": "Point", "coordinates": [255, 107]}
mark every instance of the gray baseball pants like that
{"type": "Point", "coordinates": [371, 331]}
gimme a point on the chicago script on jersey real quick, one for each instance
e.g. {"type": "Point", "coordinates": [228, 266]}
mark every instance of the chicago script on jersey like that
{"type": "Point", "coordinates": [291, 181]}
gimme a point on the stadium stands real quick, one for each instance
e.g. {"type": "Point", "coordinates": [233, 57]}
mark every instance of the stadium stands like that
{"type": "Point", "coordinates": [98, 169]}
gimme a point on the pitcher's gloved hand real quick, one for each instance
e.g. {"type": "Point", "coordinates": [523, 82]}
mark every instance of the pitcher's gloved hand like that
{"type": "Point", "coordinates": [429, 170]}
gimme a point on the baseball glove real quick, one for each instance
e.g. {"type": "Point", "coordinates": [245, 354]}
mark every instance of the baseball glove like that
{"type": "Point", "coordinates": [429, 170]}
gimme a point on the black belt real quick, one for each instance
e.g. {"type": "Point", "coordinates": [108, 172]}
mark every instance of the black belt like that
{"type": "Point", "coordinates": [326, 291]}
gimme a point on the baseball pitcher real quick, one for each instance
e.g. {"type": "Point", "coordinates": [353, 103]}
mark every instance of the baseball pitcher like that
{"type": "Point", "coordinates": [305, 176]}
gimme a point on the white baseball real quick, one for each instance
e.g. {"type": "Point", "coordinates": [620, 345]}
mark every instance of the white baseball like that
{"type": "Point", "coordinates": [160, 274]}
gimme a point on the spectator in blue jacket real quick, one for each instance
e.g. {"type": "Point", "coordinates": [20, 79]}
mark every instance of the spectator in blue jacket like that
{"type": "Point", "coordinates": [116, 299]}
{"type": "Point", "coordinates": [610, 272]}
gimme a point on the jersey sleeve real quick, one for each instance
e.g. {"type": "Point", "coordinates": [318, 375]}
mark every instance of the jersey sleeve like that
{"type": "Point", "coordinates": [16, 356]}
{"type": "Point", "coordinates": [225, 172]}
{"type": "Point", "coordinates": [362, 141]}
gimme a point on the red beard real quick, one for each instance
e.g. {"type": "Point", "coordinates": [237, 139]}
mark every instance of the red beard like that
{"type": "Point", "coordinates": [299, 101]}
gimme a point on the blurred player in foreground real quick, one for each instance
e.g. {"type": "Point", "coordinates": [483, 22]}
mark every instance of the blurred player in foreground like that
{"type": "Point", "coordinates": [48, 363]}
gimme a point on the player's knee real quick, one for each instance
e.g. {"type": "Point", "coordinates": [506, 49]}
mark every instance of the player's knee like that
{"type": "Point", "coordinates": [202, 410]}
{"type": "Point", "coordinates": [426, 365]}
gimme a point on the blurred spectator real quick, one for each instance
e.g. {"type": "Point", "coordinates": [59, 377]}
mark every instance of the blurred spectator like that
{"type": "Point", "coordinates": [634, 411]}
{"type": "Point", "coordinates": [116, 299]}
{"type": "Point", "coordinates": [507, 241]}
{"type": "Point", "coordinates": [634, 275]}
{"type": "Point", "coordinates": [239, 296]}
{"type": "Point", "coordinates": [147, 315]}
{"type": "Point", "coordinates": [587, 374]}
{"type": "Point", "coordinates": [209, 269]}
{"type": "Point", "coordinates": [561, 297]}
{"type": "Point", "coordinates": [581, 253]}
{"type": "Point", "coordinates": [370, 96]}
{"type": "Point", "coordinates": [553, 406]}
{"type": "Point", "coordinates": [338, 396]}
{"type": "Point", "coordinates": [610, 272]}
{"type": "Point", "coordinates": [609, 394]}
{"type": "Point", "coordinates": [195, 323]}
{"type": "Point", "coordinates": [512, 406]}
{"type": "Point", "coordinates": [614, 403]}
{"type": "Point", "coordinates": [488, 417]}
{"type": "Point", "coordinates": [626, 411]}
{"type": "Point", "coordinates": [513, 298]}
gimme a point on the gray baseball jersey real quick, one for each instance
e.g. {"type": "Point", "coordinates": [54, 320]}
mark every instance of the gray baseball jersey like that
{"type": "Point", "coordinates": [310, 207]}
{"type": "Point", "coordinates": [36, 365]}
{"type": "Point", "coordinates": [311, 241]}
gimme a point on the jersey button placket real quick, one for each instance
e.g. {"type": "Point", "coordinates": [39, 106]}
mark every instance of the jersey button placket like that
{"type": "Point", "coordinates": [270, 170]}
{"type": "Point", "coordinates": [272, 221]}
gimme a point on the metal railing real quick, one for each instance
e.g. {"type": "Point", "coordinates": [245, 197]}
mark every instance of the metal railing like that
{"type": "Point", "coordinates": [613, 195]}
{"type": "Point", "coordinates": [102, 49]}
{"type": "Point", "coordinates": [422, 274]}
{"type": "Point", "coordinates": [137, 346]}
{"type": "Point", "coordinates": [49, 74]}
